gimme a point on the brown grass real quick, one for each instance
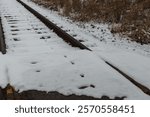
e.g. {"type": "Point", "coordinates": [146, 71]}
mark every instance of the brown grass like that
{"type": "Point", "coordinates": [132, 18]}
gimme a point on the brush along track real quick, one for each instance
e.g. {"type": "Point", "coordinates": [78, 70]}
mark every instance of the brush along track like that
{"type": "Point", "coordinates": [75, 43]}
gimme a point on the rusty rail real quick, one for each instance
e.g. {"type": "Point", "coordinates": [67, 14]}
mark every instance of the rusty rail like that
{"type": "Point", "coordinates": [65, 36]}
{"type": "Point", "coordinates": [140, 86]}
{"type": "Point", "coordinates": [2, 39]}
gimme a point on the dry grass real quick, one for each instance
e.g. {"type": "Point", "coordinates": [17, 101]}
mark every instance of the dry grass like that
{"type": "Point", "coordinates": [130, 18]}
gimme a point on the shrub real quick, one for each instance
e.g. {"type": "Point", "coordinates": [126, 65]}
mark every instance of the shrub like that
{"type": "Point", "coordinates": [131, 16]}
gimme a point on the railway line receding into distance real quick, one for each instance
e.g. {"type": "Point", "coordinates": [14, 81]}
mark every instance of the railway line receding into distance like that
{"type": "Point", "coordinates": [10, 93]}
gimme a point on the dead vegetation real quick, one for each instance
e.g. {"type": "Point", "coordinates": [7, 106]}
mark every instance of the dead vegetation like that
{"type": "Point", "coordinates": [128, 17]}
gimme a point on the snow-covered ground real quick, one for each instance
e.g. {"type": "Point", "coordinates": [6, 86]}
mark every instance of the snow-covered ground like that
{"type": "Point", "coordinates": [38, 59]}
{"type": "Point", "coordinates": [96, 36]}
{"type": "Point", "coordinates": [130, 57]}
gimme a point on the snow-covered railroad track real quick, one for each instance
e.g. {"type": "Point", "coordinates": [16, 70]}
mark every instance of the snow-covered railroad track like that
{"type": "Point", "coordinates": [42, 56]}
{"type": "Point", "coordinates": [74, 42]}
{"type": "Point", "coordinates": [66, 37]}
{"type": "Point", "coordinates": [141, 86]}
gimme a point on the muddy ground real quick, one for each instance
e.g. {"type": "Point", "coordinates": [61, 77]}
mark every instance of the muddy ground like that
{"type": "Point", "coordinates": [43, 95]}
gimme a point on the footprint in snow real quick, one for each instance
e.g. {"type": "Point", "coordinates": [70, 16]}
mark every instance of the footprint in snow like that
{"type": "Point", "coordinates": [72, 62]}
{"type": "Point", "coordinates": [14, 34]}
{"type": "Point", "coordinates": [34, 62]}
{"type": "Point", "coordinates": [15, 39]}
{"type": "Point", "coordinates": [42, 37]}
{"type": "Point", "coordinates": [38, 71]}
{"type": "Point", "coordinates": [86, 86]}
{"type": "Point", "coordinates": [65, 56]}
{"type": "Point", "coordinates": [82, 75]}
{"type": "Point", "coordinates": [39, 32]}
{"type": "Point", "coordinates": [81, 40]}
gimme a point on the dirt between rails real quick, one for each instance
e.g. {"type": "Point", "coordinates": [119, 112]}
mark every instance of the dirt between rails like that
{"type": "Point", "coordinates": [7, 94]}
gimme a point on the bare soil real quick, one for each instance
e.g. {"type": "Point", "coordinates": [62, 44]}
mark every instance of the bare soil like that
{"type": "Point", "coordinates": [43, 95]}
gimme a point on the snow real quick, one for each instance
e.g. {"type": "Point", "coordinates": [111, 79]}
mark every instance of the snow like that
{"type": "Point", "coordinates": [139, 69]}
{"type": "Point", "coordinates": [106, 45]}
{"type": "Point", "coordinates": [95, 35]}
{"type": "Point", "coordinates": [33, 72]}
{"type": "Point", "coordinates": [3, 76]}
{"type": "Point", "coordinates": [38, 59]}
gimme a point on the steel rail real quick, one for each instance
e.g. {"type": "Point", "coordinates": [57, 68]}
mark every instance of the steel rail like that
{"type": "Point", "coordinates": [65, 36]}
{"type": "Point", "coordinates": [139, 85]}
{"type": "Point", "coordinates": [2, 39]}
